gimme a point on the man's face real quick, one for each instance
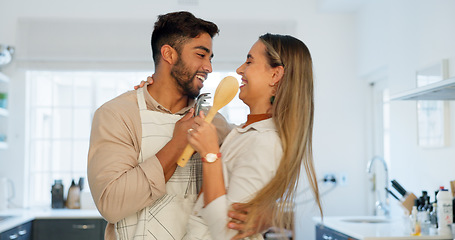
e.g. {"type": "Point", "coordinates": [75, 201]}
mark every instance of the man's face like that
{"type": "Point", "coordinates": [193, 65]}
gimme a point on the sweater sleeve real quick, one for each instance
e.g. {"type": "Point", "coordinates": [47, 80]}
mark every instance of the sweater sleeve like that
{"type": "Point", "coordinates": [119, 185]}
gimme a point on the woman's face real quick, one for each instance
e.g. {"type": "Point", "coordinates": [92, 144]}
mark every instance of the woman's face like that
{"type": "Point", "coordinates": [256, 90]}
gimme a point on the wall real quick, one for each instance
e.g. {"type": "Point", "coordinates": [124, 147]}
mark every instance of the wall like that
{"type": "Point", "coordinates": [339, 131]}
{"type": "Point", "coordinates": [402, 37]}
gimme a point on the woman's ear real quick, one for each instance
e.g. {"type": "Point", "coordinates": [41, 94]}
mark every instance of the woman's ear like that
{"type": "Point", "coordinates": [169, 54]}
{"type": "Point", "coordinates": [277, 75]}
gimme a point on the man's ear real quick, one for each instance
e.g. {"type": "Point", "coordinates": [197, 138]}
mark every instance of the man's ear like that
{"type": "Point", "coordinates": [169, 54]}
{"type": "Point", "coordinates": [277, 75]}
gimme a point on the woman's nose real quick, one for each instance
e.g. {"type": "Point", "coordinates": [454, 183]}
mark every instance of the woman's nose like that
{"type": "Point", "coordinates": [239, 70]}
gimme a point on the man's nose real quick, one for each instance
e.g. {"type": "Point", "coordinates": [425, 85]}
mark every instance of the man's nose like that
{"type": "Point", "coordinates": [207, 67]}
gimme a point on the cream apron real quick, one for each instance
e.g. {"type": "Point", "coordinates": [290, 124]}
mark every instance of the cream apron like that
{"type": "Point", "coordinates": [168, 216]}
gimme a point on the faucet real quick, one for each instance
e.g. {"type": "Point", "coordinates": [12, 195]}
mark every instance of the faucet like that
{"type": "Point", "coordinates": [382, 206]}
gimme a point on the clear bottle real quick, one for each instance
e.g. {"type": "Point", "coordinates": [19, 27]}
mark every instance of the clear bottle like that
{"type": "Point", "coordinates": [434, 220]}
{"type": "Point", "coordinates": [415, 226]}
{"type": "Point", "coordinates": [444, 212]}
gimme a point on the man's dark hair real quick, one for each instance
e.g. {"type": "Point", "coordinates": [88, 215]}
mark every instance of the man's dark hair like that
{"type": "Point", "coordinates": [176, 28]}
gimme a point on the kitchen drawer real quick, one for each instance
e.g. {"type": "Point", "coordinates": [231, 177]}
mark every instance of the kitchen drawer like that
{"type": "Point", "coordinates": [21, 232]}
{"type": "Point", "coordinates": [325, 233]}
{"type": "Point", "coordinates": [68, 229]}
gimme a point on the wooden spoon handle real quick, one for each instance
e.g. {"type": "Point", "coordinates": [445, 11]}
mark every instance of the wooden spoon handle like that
{"type": "Point", "coordinates": [224, 93]}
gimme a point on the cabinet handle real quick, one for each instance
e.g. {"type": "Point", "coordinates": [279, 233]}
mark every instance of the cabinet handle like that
{"type": "Point", "coordinates": [22, 232]}
{"type": "Point", "coordinates": [14, 236]}
{"type": "Point", "coordinates": [83, 226]}
{"type": "Point", "coordinates": [326, 237]}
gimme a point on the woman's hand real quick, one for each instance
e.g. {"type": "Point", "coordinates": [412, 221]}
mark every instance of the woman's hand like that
{"type": "Point", "coordinates": [203, 136]}
{"type": "Point", "coordinates": [149, 81]}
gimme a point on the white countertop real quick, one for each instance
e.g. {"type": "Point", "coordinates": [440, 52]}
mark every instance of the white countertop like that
{"type": "Point", "coordinates": [20, 216]}
{"type": "Point", "coordinates": [394, 228]}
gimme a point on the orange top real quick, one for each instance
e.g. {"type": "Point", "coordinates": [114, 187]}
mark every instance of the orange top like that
{"type": "Point", "coordinates": [252, 118]}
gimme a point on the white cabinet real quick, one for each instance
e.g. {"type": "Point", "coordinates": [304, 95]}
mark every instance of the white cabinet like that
{"type": "Point", "coordinates": [442, 90]}
{"type": "Point", "coordinates": [4, 82]}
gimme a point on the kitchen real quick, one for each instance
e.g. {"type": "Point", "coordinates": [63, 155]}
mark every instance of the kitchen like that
{"type": "Point", "coordinates": [353, 44]}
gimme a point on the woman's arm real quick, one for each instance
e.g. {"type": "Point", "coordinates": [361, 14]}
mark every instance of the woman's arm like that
{"type": "Point", "coordinates": [204, 139]}
{"type": "Point", "coordinates": [257, 157]}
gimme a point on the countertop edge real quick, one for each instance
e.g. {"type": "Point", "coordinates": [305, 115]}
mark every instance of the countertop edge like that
{"type": "Point", "coordinates": [337, 224]}
{"type": "Point", "coordinates": [21, 216]}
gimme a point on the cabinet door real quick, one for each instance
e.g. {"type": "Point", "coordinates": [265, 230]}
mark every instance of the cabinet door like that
{"type": "Point", "coordinates": [325, 233]}
{"type": "Point", "coordinates": [22, 232]}
{"type": "Point", "coordinates": [68, 229]}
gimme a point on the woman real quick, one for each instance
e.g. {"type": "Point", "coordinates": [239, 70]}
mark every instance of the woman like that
{"type": "Point", "coordinates": [259, 162]}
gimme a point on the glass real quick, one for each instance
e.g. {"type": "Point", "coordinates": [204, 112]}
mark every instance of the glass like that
{"type": "Point", "coordinates": [82, 123]}
{"type": "Point", "coordinates": [61, 156]}
{"type": "Point", "coordinates": [82, 91]}
{"type": "Point", "coordinates": [42, 85]}
{"type": "Point", "coordinates": [80, 153]}
{"type": "Point", "coordinates": [41, 122]}
{"type": "Point", "coordinates": [40, 155]}
{"type": "Point", "coordinates": [40, 186]}
{"type": "Point", "coordinates": [62, 123]}
{"type": "Point", "coordinates": [62, 91]}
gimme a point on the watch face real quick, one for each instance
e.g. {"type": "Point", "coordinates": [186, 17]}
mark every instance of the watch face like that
{"type": "Point", "coordinates": [211, 157]}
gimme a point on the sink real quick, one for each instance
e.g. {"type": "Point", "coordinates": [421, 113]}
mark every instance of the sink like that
{"type": "Point", "coordinates": [4, 217]}
{"type": "Point", "coordinates": [366, 220]}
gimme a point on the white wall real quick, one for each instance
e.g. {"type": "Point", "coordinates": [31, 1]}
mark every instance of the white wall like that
{"type": "Point", "coordinates": [339, 132]}
{"type": "Point", "coordinates": [403, 37]}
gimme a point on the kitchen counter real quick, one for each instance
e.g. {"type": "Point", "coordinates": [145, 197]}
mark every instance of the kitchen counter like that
{"type": "Point", "coordinates": [19, 216]}
{"type": "Point", "coordinates": [373, 228]}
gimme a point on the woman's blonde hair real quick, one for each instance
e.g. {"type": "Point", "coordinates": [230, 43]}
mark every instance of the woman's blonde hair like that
{"type": "Point", "coordinates": [292, 111]}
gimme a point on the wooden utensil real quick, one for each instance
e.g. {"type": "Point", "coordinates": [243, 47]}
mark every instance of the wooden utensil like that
{"type": "Point", "coordinates": [224, 93]}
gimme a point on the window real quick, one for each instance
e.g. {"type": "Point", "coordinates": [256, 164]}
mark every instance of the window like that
{"type": "Point", "coordinates": [61, 107]}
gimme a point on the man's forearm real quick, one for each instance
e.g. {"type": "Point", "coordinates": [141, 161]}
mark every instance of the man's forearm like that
{"type": "Point", "coordinates": [168, 156]}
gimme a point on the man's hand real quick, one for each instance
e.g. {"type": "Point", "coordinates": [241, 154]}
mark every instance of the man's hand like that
{"type": "Point", "coordinates": [181, 128]}
{"type": "Point", "coordinates": [172, 150]}
{"type": "Point", "coordinates": [239, 215]}
{"type": "Point", "coordinates": [149, 80]}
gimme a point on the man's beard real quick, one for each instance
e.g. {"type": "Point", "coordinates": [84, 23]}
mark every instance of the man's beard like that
{"type": "Point", "coordinates": [184, 79]}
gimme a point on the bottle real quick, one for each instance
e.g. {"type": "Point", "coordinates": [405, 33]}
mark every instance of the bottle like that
{"type": "Point", "coordinates": [57, 194]}
{"type": "Point", "coordinates": [422, 200]}
{"type": "Point", "coordinates": [434, 220]}
{"type": "Point", "coordinates": [444, 212]}
{"type": "Point", "coordinates": [73, 198]}
{"type": "Point", "coordinates": [415, 226]}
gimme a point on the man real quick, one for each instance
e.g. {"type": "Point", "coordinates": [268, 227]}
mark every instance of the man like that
{"type": "Point", "coordinates": [137, 137]}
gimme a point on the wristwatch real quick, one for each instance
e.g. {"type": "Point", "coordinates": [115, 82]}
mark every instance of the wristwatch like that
{"type": "Point", "coordinates": [211, 157]}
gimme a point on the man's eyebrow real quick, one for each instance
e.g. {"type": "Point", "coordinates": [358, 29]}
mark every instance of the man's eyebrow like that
{"type": "Point", "coordinates": [205, 49]}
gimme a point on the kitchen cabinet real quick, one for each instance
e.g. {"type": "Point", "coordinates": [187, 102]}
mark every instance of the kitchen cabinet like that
{"type": "Point", "coordinates": [68, 229]}
{"type": "Point", "coordinates": [325, 233]}
{"type": "Point", "coordinates": [442, 90]}
{"type": "Point", "coordinates": [21, 232]}
{"type": "Point", "coordinates": [4, 82]}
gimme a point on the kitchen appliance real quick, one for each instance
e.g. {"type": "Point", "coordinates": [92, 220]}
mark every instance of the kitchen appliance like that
{"type": "Point", "coordinates": [6, 192]}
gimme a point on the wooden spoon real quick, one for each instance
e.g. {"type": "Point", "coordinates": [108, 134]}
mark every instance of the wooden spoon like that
{"type": "Point", "coordinates": [224, 93]}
